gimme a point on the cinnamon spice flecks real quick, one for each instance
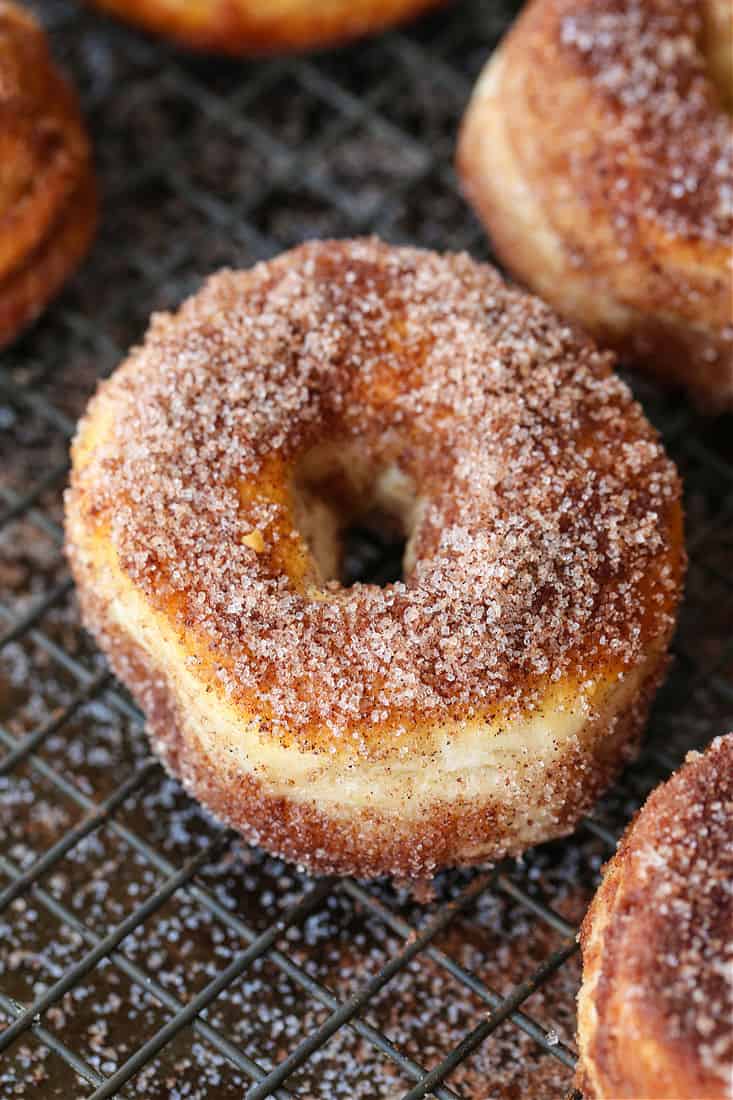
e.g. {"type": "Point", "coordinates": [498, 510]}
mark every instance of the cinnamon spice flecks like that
{"type": "Point", "coordinates": [543, 544]}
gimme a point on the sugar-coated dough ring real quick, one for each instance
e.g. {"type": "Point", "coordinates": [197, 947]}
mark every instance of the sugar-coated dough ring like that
{"type": "Point", "coordinates": [656, 1003]}
{"type": "Point", "coordinates": [47, 192]}
{"type": "Point", "coordinates": [469, 711]}
{"type": "Point", "coordinates": [264, 26]}
{"type": "Point", "coordinates": [598, 151]}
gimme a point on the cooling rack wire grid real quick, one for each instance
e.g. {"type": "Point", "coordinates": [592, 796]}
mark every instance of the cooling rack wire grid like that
{"type": "Point", "coordinates": [144, 952]}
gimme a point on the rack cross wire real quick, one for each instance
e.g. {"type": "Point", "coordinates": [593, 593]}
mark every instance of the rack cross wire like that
{"type": "Point", "coordinates": [145, 951]}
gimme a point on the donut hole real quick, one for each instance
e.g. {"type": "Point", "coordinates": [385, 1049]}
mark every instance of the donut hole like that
{"type": "Point", "coordinates": [373, 550]}
{"type": "Point", "coordinates": [356, 515]}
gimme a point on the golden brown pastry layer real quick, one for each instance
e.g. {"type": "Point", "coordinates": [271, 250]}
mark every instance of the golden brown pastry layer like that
{"type": "Point", "coordinates": [656, 1005]}
{"type": "Point", "coordinates": [47, 193]}
{"type": "Point", "coordinates": [264, 26]}
{"type": "Point", "coordinates": [477, 706]}
{"type": "Point", "coordinates": [598, 151]}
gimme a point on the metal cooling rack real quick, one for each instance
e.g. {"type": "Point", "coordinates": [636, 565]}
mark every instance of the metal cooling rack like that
{"type": "Point", "coordinates": [144, 951]}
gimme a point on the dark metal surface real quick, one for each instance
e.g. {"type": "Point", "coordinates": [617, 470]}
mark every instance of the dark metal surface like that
{"type": "Point", "coordinates": [143, 950]}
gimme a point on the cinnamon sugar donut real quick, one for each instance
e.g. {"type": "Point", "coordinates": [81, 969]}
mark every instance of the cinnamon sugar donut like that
{"type": "Point", "coordinates": [656, 1005]}
{"type": "Point", "coordinates": [264, 26]}
{"type": "Point", "coordinates": [475, 707]}
{"type": "Point", "coordinates": [47, 193]}
{"type": "Point", "coordinates": [598, 151]}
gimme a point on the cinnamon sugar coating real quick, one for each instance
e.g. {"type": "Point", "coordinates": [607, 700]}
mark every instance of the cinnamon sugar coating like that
{"type": "Point", "coordinates": [368, 839]}
{"type": "Point", "coordinates": [613, 196]}
{"type": "Point", "coordinates": [670, 156]}
{"type": "Point", "coordinates": [657, 1003]}
{"type": "Point", "coordinates": [548, 542]}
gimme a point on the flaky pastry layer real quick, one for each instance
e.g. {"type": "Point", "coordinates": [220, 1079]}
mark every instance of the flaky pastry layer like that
{"type": "Point", "coordinates": [486, 790]}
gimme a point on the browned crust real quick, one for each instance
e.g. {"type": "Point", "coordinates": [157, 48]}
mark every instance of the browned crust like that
{"type": "Point", "coordinates": [664, 263]}
{"type": "Point", "coordinates": [365, 844]}
{"type": "Point", "coordinates": [47, 192]}
{"type": "Point", "coordinates": [25, 293]}
{"type": "Point", "coordinates": [250, 26]}
{"type": "Point", "coordinates": [633, 1040]}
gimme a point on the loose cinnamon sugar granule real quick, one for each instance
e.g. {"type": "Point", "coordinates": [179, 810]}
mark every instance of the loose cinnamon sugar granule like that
{"type": "Point", "coordinates": [669, 142]}
{"type": "Point", "coordinates": [544, 542]}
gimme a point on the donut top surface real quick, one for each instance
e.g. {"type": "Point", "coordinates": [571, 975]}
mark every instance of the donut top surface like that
{"type": "Point", "coordinates": [667, 153]}
{"type": "Point", "coordinates": [674, 934]}
{"type": "Point", "coordinates": [546, 537]}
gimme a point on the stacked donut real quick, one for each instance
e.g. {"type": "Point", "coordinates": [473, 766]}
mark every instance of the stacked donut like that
{"type": "Point", "coordinates": [47, 191]}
